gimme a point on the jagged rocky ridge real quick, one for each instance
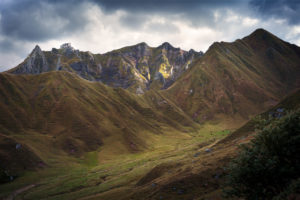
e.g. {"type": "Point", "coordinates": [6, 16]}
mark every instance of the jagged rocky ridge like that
{"type": "Point", "coordinates": [239, 78]}
{"type": "Point", "coordinates": [137, 67]}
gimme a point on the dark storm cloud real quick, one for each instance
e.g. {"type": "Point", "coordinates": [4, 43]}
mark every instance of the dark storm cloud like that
{"type": "Point", "coordinates": [24, 23]}
{"type": "Point", "coordinates": [163, 5]}
{"type": "Point", "coordinates": [284, 9]}
{"type": "Point", "coordinates": [197, 12]}
{"type": "Point", "coordinates": [32, 20]}
{"type": "Point", "coordinates": [37, 21]}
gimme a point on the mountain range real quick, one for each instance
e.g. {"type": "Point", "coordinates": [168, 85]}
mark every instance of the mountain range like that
{"type": "Point", "coordinates": [62, 106]}
{"type": "Point", "coordinates": [137, 67]}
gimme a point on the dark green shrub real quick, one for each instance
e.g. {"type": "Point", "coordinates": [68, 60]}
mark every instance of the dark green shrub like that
{"type": "Point", "coordinates": [4, 176]}
{"type": "Point", "coordinates": [268, 165]}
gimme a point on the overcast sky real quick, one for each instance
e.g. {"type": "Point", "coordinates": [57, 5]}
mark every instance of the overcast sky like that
{"type": "Point", "coordinates": [103, 25]}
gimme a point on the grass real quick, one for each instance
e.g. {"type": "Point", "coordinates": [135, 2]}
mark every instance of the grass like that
{"type": "Point", "coordinates": [90, 137]}
{"type": "Point", "coordinates": [91, 175]}
{"type": "Point", "coordinates": [96, 141]}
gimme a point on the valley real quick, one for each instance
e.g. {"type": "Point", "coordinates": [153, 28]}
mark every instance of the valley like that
{"type": "Point", "coordinates": [138, 122]}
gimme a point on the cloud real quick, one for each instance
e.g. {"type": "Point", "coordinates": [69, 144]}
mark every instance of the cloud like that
{"type": "Point", "coordinates": [198, 13]}
{"type": "Point", "coordinates": [283, 9]}
{"type": "Point", "coordinates": [103, 25]}
{"type": "Point", "coordinates": [40, 20]}
{"type": "Point", "coordinates": [163, 5]}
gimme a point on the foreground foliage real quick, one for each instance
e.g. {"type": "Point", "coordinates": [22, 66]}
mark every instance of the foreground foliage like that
{"type": "Point", "coordinates": [269, 167]}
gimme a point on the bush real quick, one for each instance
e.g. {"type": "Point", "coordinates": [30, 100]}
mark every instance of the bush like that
{"type": "Point", "coordinates": [267, 166]}
{"type": "Point", "coordinates": [4, 176]}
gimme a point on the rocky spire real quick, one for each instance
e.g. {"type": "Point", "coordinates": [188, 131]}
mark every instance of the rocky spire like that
{"type": "Point", "coordinates": [166, 45]}
{"type": "Point", "coordinates": [35, 63]}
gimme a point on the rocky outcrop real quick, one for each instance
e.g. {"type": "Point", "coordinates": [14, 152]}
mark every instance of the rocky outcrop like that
{"type": "Point", "coordinates": [137, 67]}
{"type": "Point", "coordinates": [35, 63]}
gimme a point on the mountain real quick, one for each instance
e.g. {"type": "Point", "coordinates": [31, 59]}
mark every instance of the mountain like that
{"type": "Point", "coordinates": [137, 67]}
{"type": "Point", "coordinates": [240, 78]}
{"type": "Point", "coordinates": [229, 83]}
{"type": "Point", "coordinates": [139, 121]}
{"type": "Point", "coordinates": [71, 116]}
{"type": "Point", "coordinates": [202, 175]}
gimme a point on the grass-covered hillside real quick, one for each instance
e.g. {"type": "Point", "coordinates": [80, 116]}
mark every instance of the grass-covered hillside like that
{"type": "Point", "coordinates": [238, 79]}
{"type": "Point", "coordinates": [61, 114]}
{"type": "Point", "coordinates": [139, 122]}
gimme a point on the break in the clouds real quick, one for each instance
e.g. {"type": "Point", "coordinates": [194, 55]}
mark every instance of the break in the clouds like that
{"type": "Point", "coordinates": [103, 25]}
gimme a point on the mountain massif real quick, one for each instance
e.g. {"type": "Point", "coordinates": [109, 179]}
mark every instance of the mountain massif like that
{"type": "Point", "coordinates": [239, 78]}
{"type": "Point", "coordinates": [137, 67]}
{"type": "Point", "coordinates": [133, 106]}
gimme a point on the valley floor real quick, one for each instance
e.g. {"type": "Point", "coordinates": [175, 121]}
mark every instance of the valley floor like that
{"type": "Point", "coordinates": [181, 166]}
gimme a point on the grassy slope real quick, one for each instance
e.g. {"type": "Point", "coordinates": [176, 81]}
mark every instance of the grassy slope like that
{"type": "Point", "coordinates": [57, 114]}
{"type": "Point", "coordinates": [58, 117]}
{"type": "Point", "coordinates": [290, 102]}
{"type": "Point", "coordinates": [238, 79]}
{"type": "Point", "coordinates": [71, 116]}
{"type": "Point", "coordinates": [199, 174]}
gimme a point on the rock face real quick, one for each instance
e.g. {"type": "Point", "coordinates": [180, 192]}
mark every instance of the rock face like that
{"type": "Point", "coordinates": [137, 67]}
{"type": "Point", "coordinates": [35, 63]}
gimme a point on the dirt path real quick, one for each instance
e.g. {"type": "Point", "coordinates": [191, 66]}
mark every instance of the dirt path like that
{"type": "Point", "coordinates": [19, 191]}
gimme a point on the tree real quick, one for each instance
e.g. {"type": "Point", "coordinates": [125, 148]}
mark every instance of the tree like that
{"type": "Point", "coordinates": [268, 165]}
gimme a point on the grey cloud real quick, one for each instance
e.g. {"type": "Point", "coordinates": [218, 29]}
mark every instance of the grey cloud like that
{"type": "Point", "coordinates": [197, 12]}
{"type": "Point", "coordinates": [24, 23]}
{"type": "Point", "coordinates": [134, 20]}
{"type": "Point", "coordinates": [284, 9]}
{"type": "Point", "coordinates": [162, 28]}
{"type": "Point", "coordinates": [163, 5]}
{"type": "Point", "coordinates": [32, 20]}
{"type": "Point", "coordinates": [8, 45]}
{"type": "Point", "coordinates": [41, 20]}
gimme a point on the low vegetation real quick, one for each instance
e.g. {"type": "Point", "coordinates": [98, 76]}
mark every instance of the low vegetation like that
{"type": "Point", "coordinates": [269, 166]}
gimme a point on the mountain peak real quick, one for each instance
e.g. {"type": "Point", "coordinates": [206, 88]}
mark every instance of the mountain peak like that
{"type": "Point", "coordinates": [36, 51]}
{"type": "Point", "coordinates": [37, 48]}
{"type": "Point", "coordinates": [260, 31]}
{"type": "Point", "coordinates": [67, 49]}
{"type": "Point", "coordinates": [192, 51]}
{"type": "Point", "coordinates": [166, 45]}
{"type": "Point", "coordinates": [261, 34]}
{"type": "Point", "coordinates": [142, 44]}
{"type": "Point", "coordinates": [66, 46]}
